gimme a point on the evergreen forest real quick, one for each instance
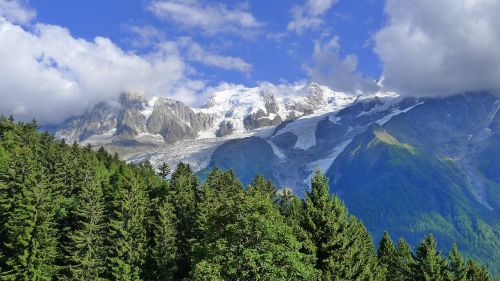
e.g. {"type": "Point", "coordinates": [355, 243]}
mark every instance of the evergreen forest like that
{"type": "Point", "coordinates": [75, 213]}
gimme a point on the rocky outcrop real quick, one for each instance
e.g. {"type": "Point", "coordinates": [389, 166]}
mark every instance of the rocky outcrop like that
{"type": "Point", "coordinates": [130, 120]}
{"type": "Point", "coordinates": [175, 121]}
{"type": "Point", "coordinates": [261, 119]}
{"type": "Point", "coordinates": [99, 120]}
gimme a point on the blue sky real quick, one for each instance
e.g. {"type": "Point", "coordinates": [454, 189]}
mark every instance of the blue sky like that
{"type": "Point", "coordinates": [60, 57]}
{"type": "Point", "coordinates": [275, 53]}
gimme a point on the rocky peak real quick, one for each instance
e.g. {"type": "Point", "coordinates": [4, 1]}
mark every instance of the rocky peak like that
{"type": "Point", "coordinates": [132, 100]}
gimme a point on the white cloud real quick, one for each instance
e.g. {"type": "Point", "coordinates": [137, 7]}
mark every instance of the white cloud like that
{"type": "Point", "coordinates": [50, 75]}
{"type": "Point", "coordinates": [434, 47]}
{"type": "Point", "coordinates": [143, 36]}
{"type": "Point", "coordinates": [310, 15]}
{"type": "Point", "coordinates": [339, 73]}
{"type": "Point", "coordinates": [195, 52]}
{"type": "Point", "coordinates": [211, 18]}
{"type": "Point", "coordinates": [16, 11]}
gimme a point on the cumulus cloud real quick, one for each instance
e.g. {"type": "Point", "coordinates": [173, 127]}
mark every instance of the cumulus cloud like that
{"type": "Point", "coordinates": [211, 18]}
{"type": "Point", "coordinates": [310, 15]}
{"type": "Point", "coordinates": [340, 73]}
{"type": "Point", "coordinates": [440, 47]}
{"type": "Point", "coordinates": [16, 11]}
{"type": "Point", "coordinates": [195, 52]}
{"type": "Point", "coordinates": [50, 75]}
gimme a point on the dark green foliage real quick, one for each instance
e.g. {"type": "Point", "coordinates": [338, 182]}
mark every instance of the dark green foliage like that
{"type": "Point", "coordinates": [404, 262]}
{"type": "Point", "coordinates": [71, 213]}
{"type": "Point", "coordinates": [476, 272]}
{"type": "Point", "coordinates": [430, 265]}
{"type": "Point", "coordinates": [164, 170]}
{"type": "Point", "coordinates": [247, 239]}
{"type": "Point", "coordinates": [343, 246]}
{"type": "Point", "coordinates": [127, 231]}
{"type": "Point", "coordinates": [183, 190]}
{"type": "Point", "coordinates": [386, 254]}
{"type": "Point", "coordinates": [86, 249]}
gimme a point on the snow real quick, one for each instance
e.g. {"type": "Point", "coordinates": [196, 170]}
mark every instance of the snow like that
{"type": "Point", "coordinates": [325, 163]}
{"type": "Point", "coordinates": [388, 117]}
{"type": "Point", "coordinates": [149, 107]}
{"type": "Point", "coordinates": [281, 156]}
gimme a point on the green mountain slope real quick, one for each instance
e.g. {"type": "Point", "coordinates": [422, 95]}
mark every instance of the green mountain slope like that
{"type": "Point", "coordinates": [395, 186]}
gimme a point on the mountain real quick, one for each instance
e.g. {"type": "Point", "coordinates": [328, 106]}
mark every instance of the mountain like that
{"type": "Point", "coordinates": [411, 166]}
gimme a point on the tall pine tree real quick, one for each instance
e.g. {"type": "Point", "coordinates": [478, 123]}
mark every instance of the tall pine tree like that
{"type": "Point", "coordinates": [127, 232]}
{"type": "Point", "coordinates": [344, 249]}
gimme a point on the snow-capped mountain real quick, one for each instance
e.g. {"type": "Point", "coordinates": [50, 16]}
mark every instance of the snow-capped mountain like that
{"type": "Point", "coordinates": [234, 109]}
{"type": "Point", "coordinates": [411, 166]}
{"type": "Point", "coordinates": [164, 130]}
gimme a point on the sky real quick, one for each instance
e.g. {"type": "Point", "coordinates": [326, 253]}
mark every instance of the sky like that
{"type": "Point", "coordinates": [59, 57]}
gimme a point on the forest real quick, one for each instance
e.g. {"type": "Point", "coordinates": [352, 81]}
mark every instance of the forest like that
{"type": "Point", "coordinates": [76, 213]}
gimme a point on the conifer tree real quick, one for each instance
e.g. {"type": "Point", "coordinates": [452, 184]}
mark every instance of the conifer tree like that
{"type": "Point", "coordinates": [164, 170]}
{"type": "Point", "coordinates": [404, 262]}
{"type": "Point", "coordinates": [476, 272]}
{"type": "Point", "coordinates": [86, 243]}
{"type": "Point", "coordinates": [456, 265]}
{"type": "Point", "coordinates": [183, 194]}
{"type": "Point", "coordinates": [261, 184]}
{"type": "Point", "coordinates": [343, 247]}
{"type": "Point", "coordinates": [386, 253]}
{"type": "Point", "coordinates": [127, 233]}
{"type": "Point", "coordinates": [163, 248]}
{"type": "Point", "coordinates": [430, 265]}
{"type": "Point", "coordinates": [30, 232]}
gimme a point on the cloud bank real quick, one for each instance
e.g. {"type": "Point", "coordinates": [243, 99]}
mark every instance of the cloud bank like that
{"type": "Point", "coordinates": [440, 47]}
{"type": "Point", "coordinates": [49, 75]}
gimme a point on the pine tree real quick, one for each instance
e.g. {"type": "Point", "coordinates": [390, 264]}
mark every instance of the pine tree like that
{"type": "Point", "coordinates": [127, 233]}
{"type": "Point", "coordinates": [456, 265]}
{"type": "Point", "coordinates": [386, 254]}
{"type": "Point", "coordinates": [163, 248]}
{"type": "Point", "coordinates": [31, 235]}
{"type": "Point", "coordinates": [261, 184]}
{"type": "Point", "coordinates": [164, 170]}
{"type": "Point", "coordinates": [86, 243]}
{"type": "Point", "coordinates": [183, 194]}
{"type": "Point", "coordinates": [404, 262]}
{"type": "Point", "coordinates": [343, 246]}
{"type": "Point", "coordinates": [476, 272]}
{"type": "Point", "coordinates": [430, 265]}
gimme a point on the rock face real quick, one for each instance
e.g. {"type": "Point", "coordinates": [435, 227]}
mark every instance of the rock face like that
{"type": "Point", "coordinates": [135, 119]}
{"type": "Point", "coordinates": [101, 119]}
{"type": "Point", "coordinates": [175, 121]}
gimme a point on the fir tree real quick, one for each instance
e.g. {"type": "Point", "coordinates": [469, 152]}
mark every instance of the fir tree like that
{"type": "Point", "coordinates": [127, 233]}
{"type": "Point", "coordinates": [430, 265]}
{"type": "Point", "coordinates": [456, 265]}
{"type": "Point", "coordinates": [343, 247]}
{"type": "Point", "coordinates": [476, 272]}
{"type": "Point", "coordinates": [164, 170]}
{"type": "Point", "coordinates": [31, 235]}
{"type": "Point", "coordinates": [183, 193]}
{"type": "Point", "coordinates": [86, 245]}
{"type": "Point", "coordinates": [163, 248]}
{"type": "Point", "coordinates": [386, 253]}
{"type": "Point", "coordinates": [404, 262]}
